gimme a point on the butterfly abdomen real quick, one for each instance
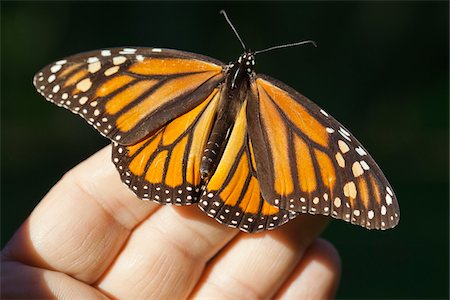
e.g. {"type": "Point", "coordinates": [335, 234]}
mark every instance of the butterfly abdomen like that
{"type": "Point", "coordinates": [223, 124]}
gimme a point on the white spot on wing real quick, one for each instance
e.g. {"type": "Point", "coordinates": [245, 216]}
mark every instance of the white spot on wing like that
{"type": "Point", "coordinates": [389, 191]}
{"type": "Point", "coordinates": [350, 189]}
{"type": "Point", "coordinates": [357, 169]}
{"type": "Point", "coordinates": [343, 146]}
{"type": "Point", "coordinates": [344, 132]}
{"type": "Point", "coordinates": [128, 51]}
{"type": "Point", "coordinates": [119, 60]}
{"type": "Point", "coordinates": [337, 202]}
{"type": "Point", "coordinates": [360, 151]}
{"type": "Point", "coordinates": [340, 160]}
{"type": "Point", "coordinates": [344, 136]}
{"type": "Point", "coordinates": [83, 101]}
{"type": "Point", "coordinates": [55, 68]}
{"type": "Point", "coordinates": [106, 53]}
{"type": "Point", "coordinates": [94, 67]}
{"type": "Point", "coordinates": [111, 71]}
{"type": "Point", "coordinates": [364, 165]}
{"type": "Point", "coordinates": [51, 78]}
{"type": "Point", "coordinates": [92, 60]}
{"type": "Point", "coordinates": [84, 84]}
{"type": "Point", "coordinates": [388, 199]}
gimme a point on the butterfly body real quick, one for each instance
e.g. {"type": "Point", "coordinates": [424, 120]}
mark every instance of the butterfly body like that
{"type": "Point", "coordinates": [187, 129]}
{"type": "Point", "coordinates": [232, 95]}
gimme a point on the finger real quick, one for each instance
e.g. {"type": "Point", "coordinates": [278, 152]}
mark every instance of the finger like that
{"type": "Point", "coordinates": [38, 283]}
{"type": "Point", "coordinates": [255, 266]}
{"type": "Point", "coordinates": [82, 223]}
{"type": "Point", "coordinates": [166, 255]}
{"type": "Point", "coordinates": [317, 276]}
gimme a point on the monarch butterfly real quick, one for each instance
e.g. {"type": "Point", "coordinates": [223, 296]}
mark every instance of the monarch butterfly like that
{"type": "Point", "coordinates": [252, 152]}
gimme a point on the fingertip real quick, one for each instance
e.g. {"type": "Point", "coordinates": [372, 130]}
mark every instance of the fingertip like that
{"type": "Point", "coordinates": [326, 253]}
{"type": "Point", "coordinates": [316, 276]}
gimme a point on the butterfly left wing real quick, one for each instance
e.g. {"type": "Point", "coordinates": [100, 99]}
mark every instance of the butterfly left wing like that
{"type": "Point", "coordinates": [308, 162]}
{"type": "Point", "coordinates": [232, 195]}
{"type": "Point", "coordinates": [127, 93]}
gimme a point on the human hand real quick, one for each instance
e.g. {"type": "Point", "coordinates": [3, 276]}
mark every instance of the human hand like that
{"type": "Point", "coordinates": [90, 238]}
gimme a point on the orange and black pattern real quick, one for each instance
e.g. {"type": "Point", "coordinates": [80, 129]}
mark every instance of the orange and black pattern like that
{"type": "Point", "coordinates": [165, 167]}
{"type": "Point", "coordinates": [232, 196]}
{"type": "Point", "coordinates": [127, 93]}
{"type": "Point", "coordinates": [252, 152]}
{"type": "Point", "coordinates": [312, 163]}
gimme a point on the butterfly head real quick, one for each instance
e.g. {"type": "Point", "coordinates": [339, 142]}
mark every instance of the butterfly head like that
{"type": "Point", "coordinates": [247, 62]}
{"type": "Point", "coordinates": [240, 71]}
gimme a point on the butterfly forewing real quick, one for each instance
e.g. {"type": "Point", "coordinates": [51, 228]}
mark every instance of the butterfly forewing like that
{"type": "Point", "coordinates": [308, 162]}
{"type": "Point", "coordinates": [127, 93]}
{"type": "Point", "coordinates": [232, 196]}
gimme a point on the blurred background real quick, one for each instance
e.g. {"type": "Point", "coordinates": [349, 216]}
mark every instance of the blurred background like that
{"type": "Point", "coordinates": [381, 69]}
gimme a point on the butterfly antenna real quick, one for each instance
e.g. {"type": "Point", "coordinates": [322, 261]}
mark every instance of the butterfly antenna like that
{"type": "Point", "coordinates": [286, 46]}
{"type": "Point", "coordinates": [232, 27]}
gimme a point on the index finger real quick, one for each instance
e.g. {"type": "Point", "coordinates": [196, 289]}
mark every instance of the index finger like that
{"type": "Point", "coordinates": [82, 223]}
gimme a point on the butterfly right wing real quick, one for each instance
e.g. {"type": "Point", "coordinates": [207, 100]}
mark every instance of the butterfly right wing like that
{"type": "Point", "coordinates": [127, 93]}
{"type": "Point", "coordinates": [308, 162]}
{"type": "Point", "coordinates": [165, 166]}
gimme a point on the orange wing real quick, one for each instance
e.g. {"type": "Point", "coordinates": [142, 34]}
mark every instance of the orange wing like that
{"type": "Point", "coordinates": [232, 196]}
{"type": "Point", "coordinates": [308, 162]}
{"type": "Point", "coordinates": [165, 167]}
{"type": "Point", "coordinates": [127, 93]}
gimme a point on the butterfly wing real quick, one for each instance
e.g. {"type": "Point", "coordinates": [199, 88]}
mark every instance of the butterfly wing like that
{"type": "Point", "coordinates": [127, 93]}
{"type": "Point", "coordinates": [232, 195]}
{"type": "Point", "coordinates": [308, 162]}
{"type": "Point", "coordinates": [165, 166]}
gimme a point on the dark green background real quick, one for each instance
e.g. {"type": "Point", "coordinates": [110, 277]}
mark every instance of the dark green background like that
{"type": "Point", "coordinates": [380, 68]}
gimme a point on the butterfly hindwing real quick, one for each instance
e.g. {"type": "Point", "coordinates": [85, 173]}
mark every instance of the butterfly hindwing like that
{"type": "Point", "coordinates": [165, 167]}
{"type": "Point", "coordinates": [232, 195]}
{"type": "Point", "coordinates": [127, 93]}
{"type": "Point", "coordinates": [308, 162]}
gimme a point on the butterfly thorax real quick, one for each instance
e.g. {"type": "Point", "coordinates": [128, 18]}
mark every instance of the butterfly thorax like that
{"type": "Point", "coordinates": [233, 94]}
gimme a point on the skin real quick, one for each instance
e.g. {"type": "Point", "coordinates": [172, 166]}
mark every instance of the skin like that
{"type": "Point", "coordinates": [90, 237]}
